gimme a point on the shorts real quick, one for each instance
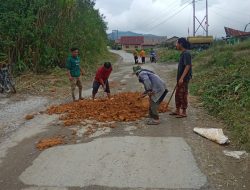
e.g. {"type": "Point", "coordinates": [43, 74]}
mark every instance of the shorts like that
{"type": "Point", "coordinates": [96, 86]}
{"type": "Point", "coordinates": [75, 82]}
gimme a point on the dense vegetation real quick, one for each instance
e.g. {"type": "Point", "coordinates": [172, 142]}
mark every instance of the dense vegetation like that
{"type": "Point", "coordinates": [222, 79]}
{"type": "Point", "coordinates": [168, 55]}
{"type": "Point", "coordinates": [37, 34]}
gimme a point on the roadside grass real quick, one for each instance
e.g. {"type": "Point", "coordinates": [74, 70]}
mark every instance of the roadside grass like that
{"type": "Point", "coordinates": [168, 55]}
{"type": "Point", "coordinates": [222, 80]}
{"type": "Point", "coordinates": [55, 82]}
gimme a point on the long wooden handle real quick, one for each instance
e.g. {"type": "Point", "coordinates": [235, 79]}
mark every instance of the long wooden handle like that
{"type": "Point", "coordinates": [172, 94]}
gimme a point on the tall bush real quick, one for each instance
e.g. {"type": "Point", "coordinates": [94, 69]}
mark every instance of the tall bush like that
{"type": "Point", "coordinates": [37, 34]}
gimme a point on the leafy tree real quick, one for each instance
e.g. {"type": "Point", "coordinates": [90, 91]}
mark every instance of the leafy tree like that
{"type": "Point", "coordinates": [37, 34]}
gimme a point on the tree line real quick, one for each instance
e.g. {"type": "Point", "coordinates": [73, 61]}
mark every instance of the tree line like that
{"type": "Point", "coordinates": [37, 34]}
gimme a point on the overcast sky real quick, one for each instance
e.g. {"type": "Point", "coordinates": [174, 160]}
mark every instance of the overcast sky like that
{"type": "Point", "coordinates": [173, 17]}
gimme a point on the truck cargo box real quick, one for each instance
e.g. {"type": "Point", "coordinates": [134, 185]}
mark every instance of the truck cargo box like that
{"type": "Point", "coordinates": [200, 39]}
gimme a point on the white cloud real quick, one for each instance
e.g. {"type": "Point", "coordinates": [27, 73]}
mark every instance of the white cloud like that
{"type": "Point", "coordinates": [169, 17]}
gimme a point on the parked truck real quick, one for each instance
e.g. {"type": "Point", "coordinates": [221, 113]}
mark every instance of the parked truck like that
{"type": "Point", "coordinates": [200, 42]}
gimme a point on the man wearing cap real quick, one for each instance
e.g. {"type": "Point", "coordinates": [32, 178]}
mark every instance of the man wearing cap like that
{"type": "Point", "coordinates": [155, 88]}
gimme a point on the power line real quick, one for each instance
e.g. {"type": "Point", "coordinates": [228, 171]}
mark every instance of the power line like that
{"type": "Point", "coordinates": [237, 12]}
{"type": "Point", "coordinates": [173, 5]}
{"type": "Point", "coordinates": [227, 18]}
{"type": "Point", "coordinates": [189, 21]}
{"type": "Point", "coordinates": [171, 16]}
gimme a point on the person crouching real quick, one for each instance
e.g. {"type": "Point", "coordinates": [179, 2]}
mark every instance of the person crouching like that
{"type": "Point", "coordinates": [101, 78]}
{"type": "Point", "coordinates": [155, 88]}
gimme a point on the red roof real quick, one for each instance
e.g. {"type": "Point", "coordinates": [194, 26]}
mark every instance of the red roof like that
{"type": "Point", "coordinates": [132, 40]}
{"type": "Point", "coordinates": [235, 33]}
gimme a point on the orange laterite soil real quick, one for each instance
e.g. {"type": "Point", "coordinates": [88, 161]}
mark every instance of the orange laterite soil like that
{"type": "Point", "coordinates": [49, 142]}
{"type": "Point", "coordinates": [121, 107]}
{"type": "Point", "coordinates": [29, 117]}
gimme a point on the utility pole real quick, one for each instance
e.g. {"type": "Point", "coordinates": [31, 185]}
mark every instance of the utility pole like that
{"type": "Point", "coordinates": [115, 34]}
{"type": "Point", "coordinates": [194, 17]}
{"type": "Point", "coordinates": [200, 23]}
{"type": "Point", "coordinates": [206, 18]}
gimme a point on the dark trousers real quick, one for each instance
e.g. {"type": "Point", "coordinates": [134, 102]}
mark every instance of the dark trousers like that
{"type": "Point", "coordinates": [136, 59]}
{"type": "Point", "coordinates": [181, 96]}
{"type": "Point", "coordinates": [96, 86]}
{"type": "Point", "coordinates": [154, 106]}
{"type": "Point", "coordinates": [143, 59]}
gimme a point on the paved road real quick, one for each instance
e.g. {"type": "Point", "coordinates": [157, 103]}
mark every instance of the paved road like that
{"type": "Point", "coordinates": [131, 156]}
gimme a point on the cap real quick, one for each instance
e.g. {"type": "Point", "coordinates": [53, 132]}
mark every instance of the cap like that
{"type": "Point", "coordinates": [136, 69]}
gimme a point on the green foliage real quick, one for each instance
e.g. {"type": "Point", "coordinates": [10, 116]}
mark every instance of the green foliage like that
{"type": "Point", "coordinates": [37, 35]}
{"type": "Point", "coordinates": [222, 79]}
{"type": "Point", "coordinates": [168, 55]}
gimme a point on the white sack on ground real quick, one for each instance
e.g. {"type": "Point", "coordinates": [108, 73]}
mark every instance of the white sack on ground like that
{"type": "Point", "coordinates": [235, 154]}
{"type": "Point", "coordinates": [212, 134]}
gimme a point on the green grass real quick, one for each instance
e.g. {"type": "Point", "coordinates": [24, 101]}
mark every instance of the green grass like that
{"type": "Point", "coordinates": [222, 80]}
{"type": "Point", "coordinates": [168, 55]}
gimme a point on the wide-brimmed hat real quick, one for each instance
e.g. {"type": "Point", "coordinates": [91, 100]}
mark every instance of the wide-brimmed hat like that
{"type": "Point", "coordinates": [136, 69]}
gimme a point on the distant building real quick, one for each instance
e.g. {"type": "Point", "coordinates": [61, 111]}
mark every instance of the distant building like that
{"type": "Point", "coordinates": [236, 33]}
{"type": "Point", "coordinates": [131, 42]}
{"type": "Point", "coordinates": [171, 42]}
{"type": "Point", "coordinates": [152, 41]}
{"type": "Point", "coordinates": [235, 36]}
{"type": "Point", "coordinates": [139, 42]}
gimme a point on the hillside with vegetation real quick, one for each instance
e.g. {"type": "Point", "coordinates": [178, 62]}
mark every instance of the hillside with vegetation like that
{"type": "Point", "coordinates": [222, 80]}
{"type": "Point", "coordinates": [37, 35]}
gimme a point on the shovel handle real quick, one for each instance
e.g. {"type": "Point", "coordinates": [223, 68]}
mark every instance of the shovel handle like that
{"type": "Point", "coordinates": [172, 94]}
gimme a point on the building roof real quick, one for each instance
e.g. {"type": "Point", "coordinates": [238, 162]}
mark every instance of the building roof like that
{"type": "Point", "coordinates": [154, 41]}
{"type": "Point", "coordinates": [172, 40]}
{"type": "Point", "coordinates": [235, 33]}
{"type": "Point", "coordinates": [132, 40]}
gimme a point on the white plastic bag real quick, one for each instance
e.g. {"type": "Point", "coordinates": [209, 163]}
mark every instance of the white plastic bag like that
{"type": "Point", "coordinates": [235, 154]}
{"type": "Point", "coordinates": [213, 134]}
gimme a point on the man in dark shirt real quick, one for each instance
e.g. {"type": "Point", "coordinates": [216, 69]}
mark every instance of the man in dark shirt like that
{"type": "Point", "coordinates": [184, 74]}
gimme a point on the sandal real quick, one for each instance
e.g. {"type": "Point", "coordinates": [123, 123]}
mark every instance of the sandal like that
{"type": "Point", "coordinates": [153, 122]}
{"type": "Point", "coordinates": [181, 116]}
{"type": "Point", "coordinates": [173, 113]}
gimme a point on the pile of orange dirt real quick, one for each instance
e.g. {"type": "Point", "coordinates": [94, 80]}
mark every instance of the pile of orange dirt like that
{"type": "Point", "coordinates": [49, 142]}
{"type": "Point", "coordinates": [29, 117]}
{"type": "Point", "coordinates": [121, 107]}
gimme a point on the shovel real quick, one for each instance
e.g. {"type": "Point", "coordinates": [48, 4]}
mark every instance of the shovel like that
{"type": "Point", "coordinates": [172, 95]}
